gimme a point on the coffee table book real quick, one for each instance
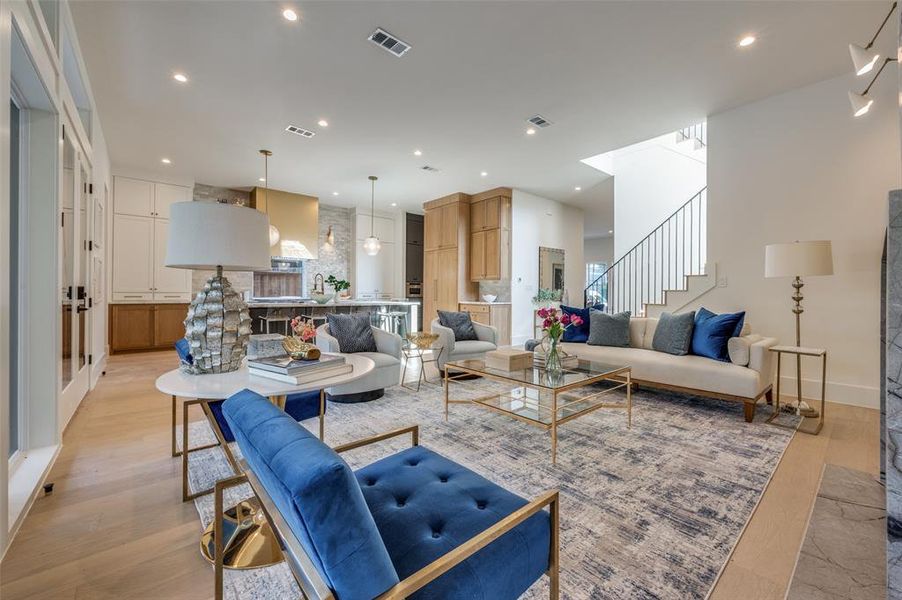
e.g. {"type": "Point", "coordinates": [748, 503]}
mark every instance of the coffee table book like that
{"type": "Point", "coordinates": [304, 376]}
{"type": "Point", "coordinates": [285, 365]}
{"type": "Point", "coordinates": [508, 359]}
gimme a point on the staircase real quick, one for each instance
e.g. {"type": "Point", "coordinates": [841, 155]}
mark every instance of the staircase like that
{"type": "Point", "coordinates": [666, 270]}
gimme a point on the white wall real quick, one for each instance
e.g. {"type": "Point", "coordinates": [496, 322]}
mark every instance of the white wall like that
{"type": "Point", "coordinates": [798, 166]}
{"type": "Point", "coordinates": [651, 180]}
{"type": "Point", "coordinates": [537, 221]}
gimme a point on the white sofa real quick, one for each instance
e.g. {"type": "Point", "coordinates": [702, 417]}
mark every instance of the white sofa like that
{"type": "Point", "coordinates": [454, 350]}
{"type": "Point", "coordinates": [747, 380]}
{"type": "Point", "coordinates": [386, 374]}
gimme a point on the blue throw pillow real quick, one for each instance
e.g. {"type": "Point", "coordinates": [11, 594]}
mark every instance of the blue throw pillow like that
{"type": "Point", "coordinates": [712, 331]}
{"type": "Point", "coordinates": [580, 334]}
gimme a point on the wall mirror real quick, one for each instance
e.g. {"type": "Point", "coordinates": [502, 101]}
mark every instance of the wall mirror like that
{"type": "Point", "coordinates": [551, 268]}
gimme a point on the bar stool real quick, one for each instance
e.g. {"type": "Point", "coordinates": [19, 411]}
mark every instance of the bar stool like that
{"type": "Point", "coordinates": [395, 322]}
{"type": "Point", "coordinates": [267, 321]}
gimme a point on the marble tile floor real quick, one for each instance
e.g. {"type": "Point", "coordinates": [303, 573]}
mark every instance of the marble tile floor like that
{"type": "Point", "coordinates": [843, 555]}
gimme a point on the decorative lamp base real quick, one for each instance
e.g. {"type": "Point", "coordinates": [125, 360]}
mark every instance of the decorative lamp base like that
{"type": "Point", "coordinates": [217, 328]}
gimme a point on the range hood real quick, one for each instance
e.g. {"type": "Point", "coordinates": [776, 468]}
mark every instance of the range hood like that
{"type": "Point", "coordinates": [297, 218]}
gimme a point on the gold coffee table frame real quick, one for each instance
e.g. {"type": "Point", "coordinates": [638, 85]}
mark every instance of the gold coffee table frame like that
{"type": "Point", "coordinates": [539, 412]}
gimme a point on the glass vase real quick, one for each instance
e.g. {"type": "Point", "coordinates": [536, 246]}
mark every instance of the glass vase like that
{"type": "Point", "coordinates": [553, 354]}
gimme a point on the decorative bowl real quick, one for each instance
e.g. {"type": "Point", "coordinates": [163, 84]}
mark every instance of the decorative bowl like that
{"type": "Point", "coordinates": [299, 350]}
{"type": "Point", "coordinates": [320, 298]}
{"type": "Point", "coordinates": [489, 298]}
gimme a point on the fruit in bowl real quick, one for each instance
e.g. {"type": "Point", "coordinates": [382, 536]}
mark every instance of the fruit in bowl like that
{"type": "Point", "coordinates": [320, 298]}
{"type": "Point", "coordinates": [489, 298]}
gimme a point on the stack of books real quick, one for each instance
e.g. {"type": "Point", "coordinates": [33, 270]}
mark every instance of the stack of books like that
{"type": "Point", "coordinates": [569, 361]}
{"type": "Point", "coordinates": [298, 372]}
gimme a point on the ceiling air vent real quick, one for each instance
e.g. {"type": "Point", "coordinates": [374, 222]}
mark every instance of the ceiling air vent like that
{"type": "Point", "coordinates": [539, 121]}
{"type": "Point", "coordinates": [389, 43]}
{"type": "Point", "coordinates": [429, 168]}
{"type": "Point", "coordinates": [300, 131]}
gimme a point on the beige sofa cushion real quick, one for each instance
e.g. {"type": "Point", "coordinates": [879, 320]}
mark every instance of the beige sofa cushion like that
{"type": "Point", "coordinates": [689, 371]}
{"type": "Point", "coordinates": [650, 326]}
{"type": "Point", "coordinates": [738, 348]}
{"type": "Point", "coordinates": [637, 332]}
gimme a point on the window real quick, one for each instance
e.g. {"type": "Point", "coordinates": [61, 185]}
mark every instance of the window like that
{"type": "Point", "coordinates": [596, 289]}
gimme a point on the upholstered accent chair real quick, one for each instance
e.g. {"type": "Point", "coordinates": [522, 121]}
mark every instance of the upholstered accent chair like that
{"type": "Point", "coordinates": [386, 374]}
{"type": "Point", "coordinates": [411, 525]}
{"type": "Point", "coordinates": [460, 350]}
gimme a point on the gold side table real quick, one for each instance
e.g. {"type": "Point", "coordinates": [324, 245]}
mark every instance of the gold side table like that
{"type": "Point", "coordinates": [420, 342]}
{"type": "Point", "coordinates": [799, 352]}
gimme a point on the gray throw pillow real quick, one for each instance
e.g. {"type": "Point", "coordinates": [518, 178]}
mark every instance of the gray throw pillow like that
{"type": "Point", "coordinates": [609, 330]}
{"type": "Point", "coordinates": [458, 322]}
{"type": "Point", "coordinates": [353, 332]}
{"type": "Point", "coordinates": [674, 333]}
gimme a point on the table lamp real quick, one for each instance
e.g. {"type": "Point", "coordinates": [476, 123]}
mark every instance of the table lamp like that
{"type": "Point", "coordinates": [798, 259]}
{"type": "Point", "coordinates": [224, 237]}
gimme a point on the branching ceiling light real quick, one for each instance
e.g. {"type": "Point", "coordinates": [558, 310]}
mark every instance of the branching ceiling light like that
{"type": "Point", "coordinates": [372, 245]}
{"type": "Point", "coordinates": [864, 59]}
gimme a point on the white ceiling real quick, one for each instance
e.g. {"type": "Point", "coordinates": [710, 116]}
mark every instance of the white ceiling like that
{"type": "Point", "coordinates": [607, 74]}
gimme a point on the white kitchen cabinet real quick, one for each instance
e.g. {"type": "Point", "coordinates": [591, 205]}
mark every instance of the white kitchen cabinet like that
{"type": "Point", "coordinates": [383, 227]}
{"type": "Point", "coordinates": [133, 196]}
{"type": "Point", "coordinates": [168, 283]}
{"type": "Point", "coordinates": [166, 194]}
{"type": "Point", "coordinates": [375, 275]}
{"type": "Point", "coordinates": [133, 270]}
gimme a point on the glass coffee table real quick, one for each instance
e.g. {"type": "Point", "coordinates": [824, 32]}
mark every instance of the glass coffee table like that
{"type": "Point", "coordinates": [543, 398]}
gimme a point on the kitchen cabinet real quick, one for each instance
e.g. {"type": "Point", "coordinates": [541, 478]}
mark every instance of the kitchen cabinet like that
{"type": "Point", "coordinates": [382, 227]}
{"type": "Point", "coordinates": [490, 241]}
{"type": "Point", "coordinates": [446, 241]}
{"type": "Point", "coordinates": [497, 315]}
{"type": "Point", "coordinates": [137, 327]}
{"type": "Point", "coordinates": [375, 275]}
{"type": "Point", "coordinates": [140, 235]}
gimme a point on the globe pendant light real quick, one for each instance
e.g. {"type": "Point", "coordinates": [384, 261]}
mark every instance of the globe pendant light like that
{"type": "Point", "coordinates": [371, 245]}
{"type": "Point", "coordinates": [274, 235]}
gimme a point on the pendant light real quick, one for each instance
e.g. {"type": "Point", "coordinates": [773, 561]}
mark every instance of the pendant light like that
{"type": "Point", "coordinates": [274, 235]}
{"type": "Point", "coordinates": [864, 58]}
{"type": "Point", "coordinates": [371, 245]}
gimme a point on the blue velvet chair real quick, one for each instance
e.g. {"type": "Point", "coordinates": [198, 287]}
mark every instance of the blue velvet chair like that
{"type": "Point", "coordinates": [412, 525]}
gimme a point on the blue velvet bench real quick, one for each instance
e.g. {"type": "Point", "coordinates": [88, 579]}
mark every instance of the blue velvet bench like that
{"type": "Point", "coordinates": [301, 406]}
{"type": "Point", "coordinates": [411, 525]}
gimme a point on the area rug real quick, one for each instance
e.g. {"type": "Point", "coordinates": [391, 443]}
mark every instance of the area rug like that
{"type": "Point", "coordinates": [648, 512]}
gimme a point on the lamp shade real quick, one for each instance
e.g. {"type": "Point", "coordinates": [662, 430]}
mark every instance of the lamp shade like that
{"type": "Point", "coordinates": [206, 235]}
{"type": "Point", "coordinates": [862, 59]}
{"type": "Point", "coordinates": [861, 103]}
{"type": "Point", "coordinates": [798, 259]}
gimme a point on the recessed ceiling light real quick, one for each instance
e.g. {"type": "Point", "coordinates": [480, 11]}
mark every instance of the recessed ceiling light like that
{"type": "Point", "coordinates": [166, 161]}
{"type": "Point", "coordinates": [394, 204]}
{"type": "Point", "coordinates": [334, 193]}
{"type": "Point", "coordinates": [417, 152]}
{"type": "Point", "coordinates": [262, 179]}
{"type": "Point", "coordinates": [747, 41]}
{"type": "Point", "coordinates": [530, 131]}
{"type": "Point", "coordinates": [323, 123]}
{"type": "Point", "coordinates": [577, 188]}
{"type": "Point", "coordinates": [180, 77]}
{"type": "Point", "coordinates": [290, 15]}
{"type": "Point", "coordinates": [483, 174]}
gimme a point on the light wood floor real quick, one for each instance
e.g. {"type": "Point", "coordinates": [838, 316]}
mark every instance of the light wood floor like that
{"type": "Point", "coordinates": [115, 526]}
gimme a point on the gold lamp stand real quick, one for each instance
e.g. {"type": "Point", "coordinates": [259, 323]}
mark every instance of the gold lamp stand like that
{"type": "Point", "coordinates": [802, 407]}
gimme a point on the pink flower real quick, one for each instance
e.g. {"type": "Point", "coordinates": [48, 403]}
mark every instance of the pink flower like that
{"type": "Point", "coordinates": [546, 324]}
{"type": "Point", "coordinates": [576, 320]}
{"type": "Point", "coordinates": [565, 320]}
{"type": "Point", "coordinates": [543, 313]}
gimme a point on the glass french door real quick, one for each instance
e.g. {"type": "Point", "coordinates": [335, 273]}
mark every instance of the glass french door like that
{"type": "Point", "coordinates": [75, 277]}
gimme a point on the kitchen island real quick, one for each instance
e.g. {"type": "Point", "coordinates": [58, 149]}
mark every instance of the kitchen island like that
{"type": "Point", "coordinates": [275, 312]}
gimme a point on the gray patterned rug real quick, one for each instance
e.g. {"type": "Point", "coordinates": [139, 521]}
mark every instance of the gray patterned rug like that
{"type": "Point", "coordinates": [650, 512]}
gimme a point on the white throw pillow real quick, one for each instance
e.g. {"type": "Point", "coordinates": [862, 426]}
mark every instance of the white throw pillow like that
{"type": "Point", "coordinates": [650, 326]}
{"type": "Point", "coordinates": [637, 332]}
{"type": "Point", "coordinates": [738, 348]}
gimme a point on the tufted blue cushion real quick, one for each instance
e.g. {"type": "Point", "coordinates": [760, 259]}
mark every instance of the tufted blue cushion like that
{"type": "Point", "coordinates": [712, 332]}
{"type": "Point", "coordinates": [315, 490]}
{"type": "Point", "coordinates": [426, 505]}
{"type": "Point", "coordinates": [300, 406]}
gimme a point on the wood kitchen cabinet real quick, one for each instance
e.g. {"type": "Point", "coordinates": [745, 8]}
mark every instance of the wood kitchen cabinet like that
{"type": "Point", "coordinates": [490, 241]}
{"type": "Point", "coordinates": [141, 327]}
{"type": "Point", "coordinates": [446, 258]}
{"type": "Point", "coordinates": [496, 314]}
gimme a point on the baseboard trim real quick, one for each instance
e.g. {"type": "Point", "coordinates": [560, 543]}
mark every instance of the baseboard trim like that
{"type": "Point", "coordinates": [838, 392]}
{"type": "Point", "coordinates": [33, 476]}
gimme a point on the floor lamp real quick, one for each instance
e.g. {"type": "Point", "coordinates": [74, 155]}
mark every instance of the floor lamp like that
{"type": "Point", "coordinates": [224, 237]}
{"type": "Point", "coordinates": [798, 259]}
